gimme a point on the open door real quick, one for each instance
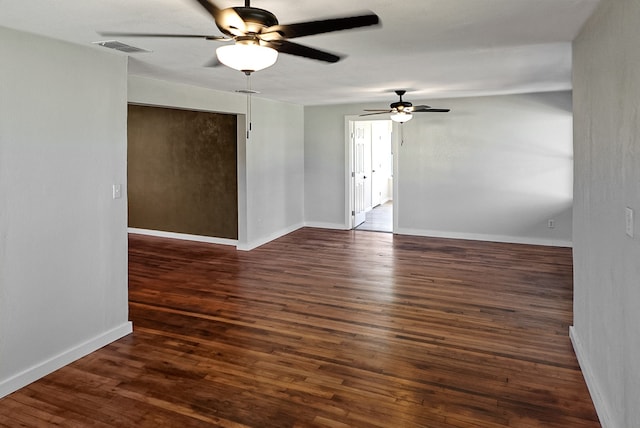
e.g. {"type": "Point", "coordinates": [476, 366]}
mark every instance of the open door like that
{"type": "Point", "coordinates": [359, 174]}
{"type": "Point", "coordinates": [381, 163]}
{"type": "Point", "coordinates": [360, 138]}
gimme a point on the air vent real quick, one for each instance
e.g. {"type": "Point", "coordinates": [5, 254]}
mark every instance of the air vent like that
{"type": "Point", "coordinates": [119, 46]}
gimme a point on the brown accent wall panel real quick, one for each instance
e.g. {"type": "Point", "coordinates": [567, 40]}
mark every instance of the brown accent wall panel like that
{"type": "Point", "coordinates": [182, 171]}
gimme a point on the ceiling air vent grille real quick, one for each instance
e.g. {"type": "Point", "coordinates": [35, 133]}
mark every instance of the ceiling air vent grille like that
{"type": "Point", "coordinates": [119, 46]}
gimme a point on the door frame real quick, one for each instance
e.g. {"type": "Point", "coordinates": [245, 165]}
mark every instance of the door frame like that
{"type": "Point", "coordinates": [348, 168]}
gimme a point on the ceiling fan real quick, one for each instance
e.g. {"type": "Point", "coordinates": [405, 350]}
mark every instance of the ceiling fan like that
{"type": "Point", "coordinates": [401, 111]}
{"type": "Point", "coordinates": [258, 36]}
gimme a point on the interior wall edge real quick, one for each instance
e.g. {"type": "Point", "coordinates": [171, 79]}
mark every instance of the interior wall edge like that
{"type": "Point", "coordinates": [70, 355]}
{"type": "Point", "coordinates": [602, 408]}
{"type": "Point", "coordinates": [251, 245]}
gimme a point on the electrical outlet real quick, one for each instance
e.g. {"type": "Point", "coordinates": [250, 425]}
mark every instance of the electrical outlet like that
{"type": "Point", "coordinates": [628, 221]}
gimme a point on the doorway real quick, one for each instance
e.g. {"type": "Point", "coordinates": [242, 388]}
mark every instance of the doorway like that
{"type": "Point", "coordinates": [371, 184]}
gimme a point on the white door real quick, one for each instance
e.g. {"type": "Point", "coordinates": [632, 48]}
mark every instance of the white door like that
{"type": "Point", "coordinates": [381, 165]}
{"type": "Point", "coordinates": [368, 202]}
{"type": "Point", "coordinates": [359, 174]}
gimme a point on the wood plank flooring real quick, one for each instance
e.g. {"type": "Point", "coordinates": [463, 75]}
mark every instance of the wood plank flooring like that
{"type": "Point", "coordinates": [330, 329]}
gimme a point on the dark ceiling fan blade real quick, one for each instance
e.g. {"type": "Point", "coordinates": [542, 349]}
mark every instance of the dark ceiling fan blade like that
{"type": "Point", "coordinates": [227, 19]}
{"type": "Point", "coordinates": [378, 112]}
{"type": "Point", "coordinates": [188, 36]}
{"type": "Point", "coordinates": [432, 110]}
{"type": "Point", "coordinates": [301, 29]}
{"type": "Point", "coordinates": [272, 36]}
{"type": "Point", "coordinates": [291, 48]}
{"type": "Point", "coordinates": [213, 10]}
{"type": "Point", "coordinates": [422, 107]}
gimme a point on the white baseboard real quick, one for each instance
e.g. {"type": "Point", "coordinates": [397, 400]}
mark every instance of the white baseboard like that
{"type": "Point", "coordinates": [483, 237]}
{"type": "Point", "coordinates": [211, 240]}
{"type": "Point", "coordinates": [258, 242]}
{"type": "Point", "coordinates": [321, 225]}
{"type": "Point", "coordinates": [183, 236]}
{"type": "Point", "coordinates": [42, 369]}
{"type": "Point", "coordinates": [596, 395]}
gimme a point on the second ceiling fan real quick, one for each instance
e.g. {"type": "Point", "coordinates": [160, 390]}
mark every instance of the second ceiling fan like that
{"type": "Point", "coordinates": [402, 111]}
{"type": "Point", "coordinates": [258, 36]}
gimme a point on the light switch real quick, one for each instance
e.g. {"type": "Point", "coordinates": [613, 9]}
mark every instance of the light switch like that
{"type": "Point", "coordinates": [117, 191]}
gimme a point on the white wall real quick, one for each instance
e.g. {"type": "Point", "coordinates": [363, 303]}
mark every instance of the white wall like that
{"type": "Point", "coordinates": [270, 162]}
{"type": "Point", "coordinates": [606, 330]}
{"type": "Point", "coordinates": [495, 168]}
{"type": "Point", "coordinates": [275, 171]}
{"type": "Point", "coordinates": [63, 241]}
{"type": "Point", "coordinates": [324, 165]}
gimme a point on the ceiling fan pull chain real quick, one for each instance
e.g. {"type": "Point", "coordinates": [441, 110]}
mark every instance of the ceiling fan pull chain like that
{"type": "Point", "coordinates": [248, 124]}
{"type": "Point", "coordinates": [249, 91]}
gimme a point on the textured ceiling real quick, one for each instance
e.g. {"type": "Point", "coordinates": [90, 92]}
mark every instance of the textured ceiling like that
{"type": "Point", "coordinates": [433, 48]}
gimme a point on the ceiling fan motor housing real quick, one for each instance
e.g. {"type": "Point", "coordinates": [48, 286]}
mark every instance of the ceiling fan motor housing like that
{"type": "Point", "coordinates": [400, 105]}
{"type": "Point", "coordinates": [255, 19]}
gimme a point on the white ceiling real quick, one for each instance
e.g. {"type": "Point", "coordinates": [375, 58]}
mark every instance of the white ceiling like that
{"type": "Point", "coordinates": [433, 48]}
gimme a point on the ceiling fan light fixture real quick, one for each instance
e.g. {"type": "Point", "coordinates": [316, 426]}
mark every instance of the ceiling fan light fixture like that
{"type": "Point", "coordinates": [401, 117]}
{"type": "Point", "coordinates": [247, 57]}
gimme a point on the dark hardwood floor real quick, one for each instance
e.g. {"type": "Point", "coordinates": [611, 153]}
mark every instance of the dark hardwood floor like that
{"type": "Point", "coordinates": [330, 329]}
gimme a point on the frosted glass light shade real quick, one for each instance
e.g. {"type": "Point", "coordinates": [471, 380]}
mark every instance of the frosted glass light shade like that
{"type": "Point", "coordinates": [247, 57]}
{"type": "Point", "coordinates": [401, 117]}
